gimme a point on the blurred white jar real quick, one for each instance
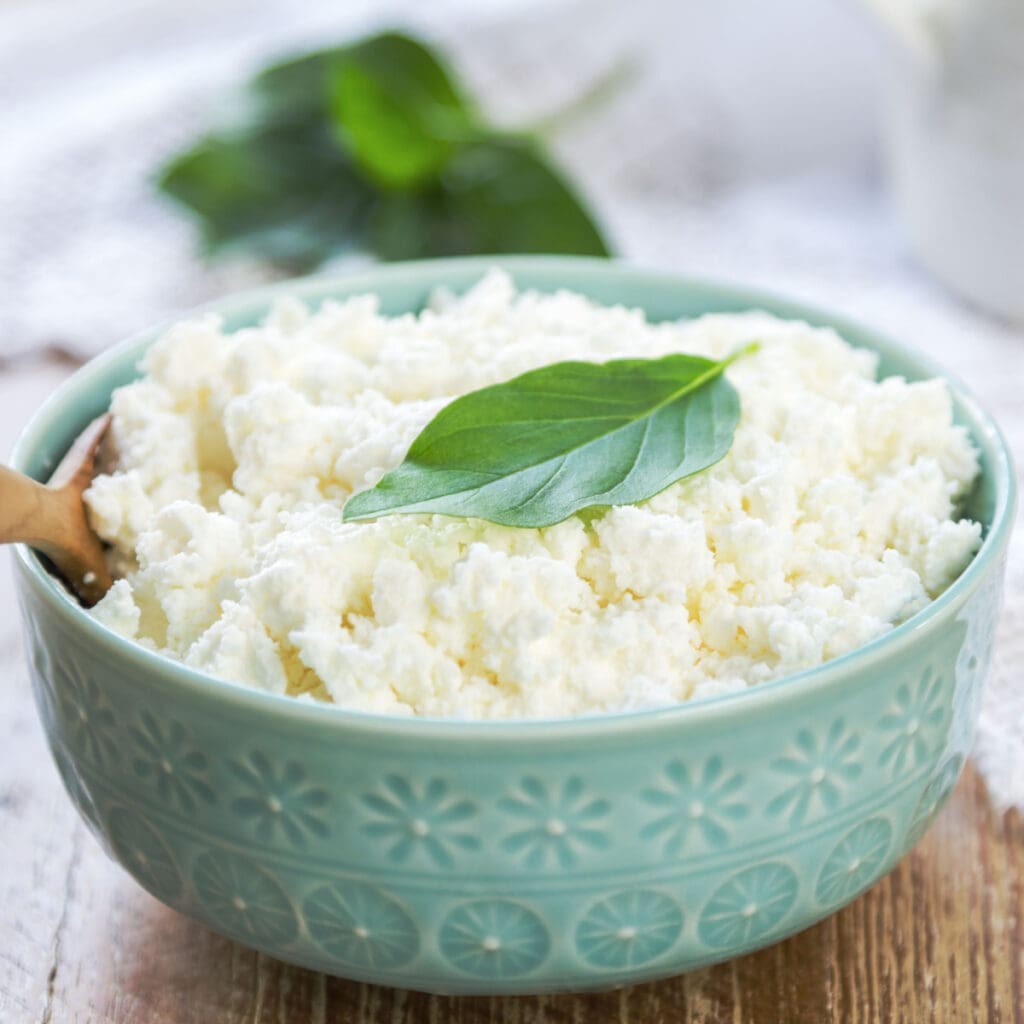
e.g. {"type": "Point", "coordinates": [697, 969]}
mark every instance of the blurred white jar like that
{"type": "Point", "coordinates": [955, 142]}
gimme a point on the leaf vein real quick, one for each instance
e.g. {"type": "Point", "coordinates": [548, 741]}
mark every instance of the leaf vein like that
{"type": "Point", "coordinates": [544, 484]}
{"type": "Point", "coordinates": [682, 433]}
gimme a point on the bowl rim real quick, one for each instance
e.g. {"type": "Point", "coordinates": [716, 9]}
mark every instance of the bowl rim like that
{"type": "Point", "coordinates": [796, 686]}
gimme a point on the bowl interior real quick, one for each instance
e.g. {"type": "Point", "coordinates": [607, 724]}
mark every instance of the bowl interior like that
{"type": "Point", "coordinates": [404, 288]}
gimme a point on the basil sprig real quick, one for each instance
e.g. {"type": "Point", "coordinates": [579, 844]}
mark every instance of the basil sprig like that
{"type": "Point", "coordinates": [538, 448]}
{"type": "Point", "coordinates": [374, 146]}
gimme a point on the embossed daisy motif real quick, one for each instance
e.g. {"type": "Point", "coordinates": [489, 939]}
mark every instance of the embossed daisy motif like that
{"type": "Point", "coordinates": [361, 926]}
{"type": "Point", "coordinates": [90, 723]}
{"type": "Point", "coordinates": [140, 848]}
{"type": "Point", "coordinates": [980, 618]}
{"type": "Point", "coordinates": [426, 821]}
{"type": "Point", "coordinates": [164, 757]}
{"type": "Point", "coordinates": [748, 906]}
{"type": "Point", "coordinates": [76, 789]}
{"type": "Point", "coordinates": [815, 771]}
{"type": "Point", "coordinates": [555, 825]}
{"type": "Point", "coordinates": [279, 802]}
{"type": "Point", "coordinates": [912, 722]}
{"type": "Point", "coordinates": [494, 939]}
{"type": "Point", "coordinates": [933, 797]}
{"type": "Point", "coordinates": [854, 861]}
{"type": "Point", "coordinates": [40, 662]}
{"type": "Point", "coordinates": [701, 806]}
{"type": "Point", "coordinates": [628, 929]}
{"type": "Point", "coordinates": [243, 898]}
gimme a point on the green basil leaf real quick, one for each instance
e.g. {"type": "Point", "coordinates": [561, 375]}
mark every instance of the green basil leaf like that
{"type": "Point", "coordinates": [496, 196]}
{"type": "Point", "coordinates": [297, 88]}
{"type": "Point", "coordinates": [284, 192]}
{"type": "Point", "coordinates": [370, 145]}
{"type": "Point", "coordinates": [398, 109]}
{"type": "Point", "coordinates": [418, 225]}
{"type": "Point", "coordinates": [536, 449]}
{"type": "Point", "coordinates": [514, 200]}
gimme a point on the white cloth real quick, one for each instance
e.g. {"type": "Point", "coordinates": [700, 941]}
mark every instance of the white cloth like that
{"type": "Point", "coordinates": [743, 150]}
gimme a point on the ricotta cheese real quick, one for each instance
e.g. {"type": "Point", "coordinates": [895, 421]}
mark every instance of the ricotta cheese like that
{"type": "Point", "coordinates": [832, 518]}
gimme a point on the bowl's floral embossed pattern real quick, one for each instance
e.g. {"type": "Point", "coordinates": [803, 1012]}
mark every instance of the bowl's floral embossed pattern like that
{"type": "Point", "coordinates": [139, 845]}
{"type": "Point", "coordinates": [554, 824]}
{"type": "Point", "coordinates": [749, 906]}
{"type": "Point", "coordinates": [934, 795]}
{"type": "Point", "coordinates": [629, 928]}
{"type": "Point", "coordinates": [980, 619]}
{"type": "Point", "coordinates": [279, 802]}
{"type": "Point", "coordinates": [854, 862]}
{"type": "Point", "coordinates": [494, 939]}
{"type": "Point", "coordinates": [76, 789]}
{"type": "Point", "coordinates": [978, 622]}
{"type": "Point", "coordinates": [914, 721]}
{"type": "Point", "coordinates": [513, 857]}
{"type": "Point", "coordinates": [41, 668]}
{"type": "Point", "coordinates": [165, 755]}
{"type": "Point", "coordinates": [411, 819]}
{"type": "Point", "coordinates": [86, 713]}
{"type": "Point", "coordinates": [817, 770]}
{"type": "Point", "coordinates": [360, 926]}
{"type": "Point", "coordinates": [246, 899]}
{"type": "Point", "coordinates": [702, 805]}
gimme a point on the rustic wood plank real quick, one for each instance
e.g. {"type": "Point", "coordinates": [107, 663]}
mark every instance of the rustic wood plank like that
{"type": "Point", "coordinates": [37, 853]}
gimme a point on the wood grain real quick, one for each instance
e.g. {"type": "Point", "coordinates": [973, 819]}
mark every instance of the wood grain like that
{"type": "Point", "coordinates": [939, 941]}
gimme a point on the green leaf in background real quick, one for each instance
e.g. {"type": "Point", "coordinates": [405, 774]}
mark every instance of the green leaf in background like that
{"type": "Point", "coordinates": [373, 145]}
{"type": "Point", "coordinates": [295, 89]}
{"type": "Point", "coordinates": [398, 110]}
{"type": "Point", "coordinates": [496, 196]}
{"type": "Point", "coordinates": [534, 450]}
{"type": "Point", "coordinates": [281, 192]}
{"type": "Point", "coordinates": [515, 201]}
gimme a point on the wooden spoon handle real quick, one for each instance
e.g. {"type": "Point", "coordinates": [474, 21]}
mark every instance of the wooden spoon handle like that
{"type": "Point", "coordinates": [52, 518]}
{"type": "Point", "coordinates": [26, 510]}
{"type": "Point", "coordinates": [53, 521]}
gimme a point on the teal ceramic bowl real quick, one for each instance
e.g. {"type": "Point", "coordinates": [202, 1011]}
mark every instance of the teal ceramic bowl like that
{"type": "Point", "coordinates": [505, 857]}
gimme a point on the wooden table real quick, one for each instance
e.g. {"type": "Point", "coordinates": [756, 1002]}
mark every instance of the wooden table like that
{"type": "Point", "coordinates": [941, 939]}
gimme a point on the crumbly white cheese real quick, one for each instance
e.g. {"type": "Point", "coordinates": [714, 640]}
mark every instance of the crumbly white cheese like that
{"type": "Point", "coordinates": [831, 519]}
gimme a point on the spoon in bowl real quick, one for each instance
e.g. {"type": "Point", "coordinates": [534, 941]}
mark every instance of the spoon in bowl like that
{"type": "Point", "coordinates": [51, 518]}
